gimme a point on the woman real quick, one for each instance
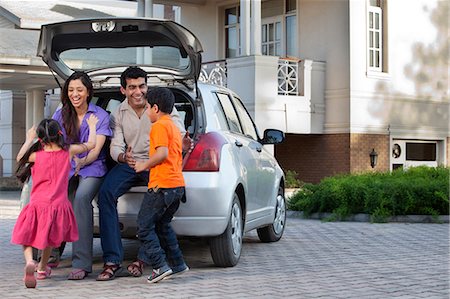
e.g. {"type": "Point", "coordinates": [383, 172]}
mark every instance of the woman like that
{"type": "Point", "coordinates": [88, 169]}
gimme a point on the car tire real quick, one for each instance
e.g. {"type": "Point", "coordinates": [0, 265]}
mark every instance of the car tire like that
{"type": "Point", "coordinates": [226, 248]}
{"type": "Point", "coordinates": [274, 231]}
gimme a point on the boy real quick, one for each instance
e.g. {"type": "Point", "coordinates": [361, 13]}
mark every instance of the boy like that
{"type": "Point", "coordinates": [165, 190]}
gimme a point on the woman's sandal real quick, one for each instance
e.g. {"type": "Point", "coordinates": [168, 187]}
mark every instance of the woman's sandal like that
{"type": "Point", "coordinates": [44, 274]}
{"type": "Point", "coordinates": [77, 274]}
{"type": "Point", "coordinates": [29, 278]}
{"type": "Point", "coordinates": [136, 268]}
{"type": "Point", "coordinates": [109, 272]}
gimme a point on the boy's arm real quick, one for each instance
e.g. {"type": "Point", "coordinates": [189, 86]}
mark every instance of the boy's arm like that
{"type": "Point", "coordinates": [159, 156]}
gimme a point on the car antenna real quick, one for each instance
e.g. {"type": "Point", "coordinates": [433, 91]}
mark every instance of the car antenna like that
{"type": "Point", "coordinates": [56, 79]}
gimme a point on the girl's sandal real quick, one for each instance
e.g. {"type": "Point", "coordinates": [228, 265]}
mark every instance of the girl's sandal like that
{"type": "Point", "coordinates": [29, 278]}
{"type": "Point", "coordinates": [44, 274]}
{"type": "Point", "coordinates": [136, 268]}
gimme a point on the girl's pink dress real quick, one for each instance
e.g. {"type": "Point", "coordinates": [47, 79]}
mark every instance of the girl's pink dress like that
{"type": "Point", "coordinates": [48, 219]}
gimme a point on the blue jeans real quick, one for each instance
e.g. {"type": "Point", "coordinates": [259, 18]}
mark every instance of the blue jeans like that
{"type": "Point", "coordinates": [159, 244]}
{"type": "Point", "coordinates": [117, 182]}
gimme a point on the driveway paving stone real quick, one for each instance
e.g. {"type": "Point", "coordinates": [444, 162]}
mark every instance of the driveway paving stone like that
{"type": "Point", "coordinates": [314, 259]}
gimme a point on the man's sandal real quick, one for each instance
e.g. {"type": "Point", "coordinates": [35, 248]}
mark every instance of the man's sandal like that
{"type": "Point", "coordinates": [109, 272]}
{"type": "Point", "coordinates": [136, 268]}
{"type": "Point", "coordinates": [77, 274]}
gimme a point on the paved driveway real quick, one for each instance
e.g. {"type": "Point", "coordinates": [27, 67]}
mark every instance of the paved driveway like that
{"type": "Point", "coordinates": [313, 260]}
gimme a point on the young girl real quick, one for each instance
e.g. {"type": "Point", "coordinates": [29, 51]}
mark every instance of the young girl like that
{"type": "Point", "coordinates": [48, 219]}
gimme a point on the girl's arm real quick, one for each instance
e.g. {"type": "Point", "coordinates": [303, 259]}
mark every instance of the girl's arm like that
{"type": "Point", "coordinates": [90, 144]}
{"type": "Point", "coordinates": [31, 135]}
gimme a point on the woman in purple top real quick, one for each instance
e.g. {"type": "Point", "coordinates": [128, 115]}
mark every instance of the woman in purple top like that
{"type": "Point", "coordinates": [88, 169]}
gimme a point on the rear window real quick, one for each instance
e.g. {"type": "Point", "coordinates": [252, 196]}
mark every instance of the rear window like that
{"type": "Point", "coordinates": [93, 58]}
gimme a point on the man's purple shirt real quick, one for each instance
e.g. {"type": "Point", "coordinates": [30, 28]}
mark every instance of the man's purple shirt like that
{"type": "Point", "coordinates": [98, 167]}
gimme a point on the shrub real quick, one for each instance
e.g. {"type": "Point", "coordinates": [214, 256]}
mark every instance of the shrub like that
{"type": "Point", "coordinates": [292, 180]}
{"type": "Point", "coordinates": [415, 191]}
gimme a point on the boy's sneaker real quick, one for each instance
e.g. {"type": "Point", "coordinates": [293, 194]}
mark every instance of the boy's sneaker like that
{"type": "Point", "coordinates": [158, 274]}
{"type": "Point", "coordinates": [176, 273]}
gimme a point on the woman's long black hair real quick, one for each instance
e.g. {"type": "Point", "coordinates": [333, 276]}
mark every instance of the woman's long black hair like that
{"type": "Point", "coordinates": [48, 131]}
{"type": "Point", "coordinates": [69, 115]}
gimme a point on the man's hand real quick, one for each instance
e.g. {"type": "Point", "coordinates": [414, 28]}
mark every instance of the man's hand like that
{"type": "Point", "coordinates": [187, 143]}
{"type": "Point", "coordinates": [128, 157]}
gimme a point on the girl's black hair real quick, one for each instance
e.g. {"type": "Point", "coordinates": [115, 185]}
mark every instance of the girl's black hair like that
{"type": "Point", "coordinates": [48, 131]}
{"type": "Point", "coordinates": [69, 115]}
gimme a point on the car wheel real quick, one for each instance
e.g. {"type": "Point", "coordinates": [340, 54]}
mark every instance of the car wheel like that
{"type": "Point", "coordinates": [226, 248]}
{"type": "Point", "coordinates": [274, 231]}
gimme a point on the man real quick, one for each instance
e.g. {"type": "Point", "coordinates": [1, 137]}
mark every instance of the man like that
{"type": "Point", "coordinates": [130, 143]}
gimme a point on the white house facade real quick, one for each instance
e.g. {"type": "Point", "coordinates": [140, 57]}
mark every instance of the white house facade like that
{"type": "Point", "coordinates": [342, 78]}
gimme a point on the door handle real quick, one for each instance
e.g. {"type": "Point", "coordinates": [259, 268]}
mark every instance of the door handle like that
{"type": "Point", "coordinates": [259, 149]}
{"type": "Point", "coordinates": [238, 143]}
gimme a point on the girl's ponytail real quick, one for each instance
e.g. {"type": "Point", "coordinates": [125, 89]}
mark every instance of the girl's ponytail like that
{"type": "Point", "coordinates": [23, 171]}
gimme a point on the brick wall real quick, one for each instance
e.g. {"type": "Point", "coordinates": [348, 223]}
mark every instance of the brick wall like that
{"type": "Point", "coordinates": [360, 147]}
{"type": "Point", "coordinates": [314, 157]}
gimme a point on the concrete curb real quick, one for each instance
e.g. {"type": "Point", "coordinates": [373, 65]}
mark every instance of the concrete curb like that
{"type": "Point", "coordinates": [367, 217]}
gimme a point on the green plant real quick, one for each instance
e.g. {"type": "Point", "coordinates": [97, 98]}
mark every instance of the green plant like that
{"type": "Point", "coordinates": [292, 180]}
{"type": "Point", "coordinates": [415, 191]}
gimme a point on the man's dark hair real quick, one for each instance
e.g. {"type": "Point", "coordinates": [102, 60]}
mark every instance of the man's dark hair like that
{"type": "Point", "coordinates": [132, 72]}
{"type": "Point", "coordinates": [163, 97]}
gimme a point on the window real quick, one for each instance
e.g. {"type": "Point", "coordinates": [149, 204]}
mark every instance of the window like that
{"type": "Point", "coordinates": [279, 28]}
{"type": "Point", "coordinates": [376, 36]}
{"type": "Point", "coordinates": [246, 121]}
{"type": "Point", "coordinates": [230, 113]}
{"type": "Point", "coordinates": [420, 151]}
{"type": "Point", "coordinates": [271, 38]}
{"type": "Point", "coordinates": [232, 32]}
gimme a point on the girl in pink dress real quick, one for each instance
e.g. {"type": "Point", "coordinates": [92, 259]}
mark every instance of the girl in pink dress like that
{"type": "Point", "coordinates": [48, 219]}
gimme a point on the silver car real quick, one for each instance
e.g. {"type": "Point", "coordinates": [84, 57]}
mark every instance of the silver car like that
{"type": "Point", "coordinates": [233, 183]}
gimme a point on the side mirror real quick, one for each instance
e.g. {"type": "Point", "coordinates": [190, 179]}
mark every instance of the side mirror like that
{"type": "Point", "coordinates": [272, 136]}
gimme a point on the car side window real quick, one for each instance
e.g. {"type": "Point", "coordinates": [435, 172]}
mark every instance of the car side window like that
{"type": "Point", "coordinates": [246, 121]}
{"type": "Point", "coordinates": [230, 113]}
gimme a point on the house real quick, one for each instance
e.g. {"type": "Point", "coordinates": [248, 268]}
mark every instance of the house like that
{"type": "Point", "coordinates": [356, 85]}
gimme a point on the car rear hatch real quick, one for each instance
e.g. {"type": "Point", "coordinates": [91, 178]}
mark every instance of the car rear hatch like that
{"type": "Point", "coordinates": [104, 47]}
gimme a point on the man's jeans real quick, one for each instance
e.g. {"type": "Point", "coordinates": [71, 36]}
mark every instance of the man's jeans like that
{"type": "Point", "coordinates": [157, 237]}
{"type": "Point", "coordinates": [117, 182]}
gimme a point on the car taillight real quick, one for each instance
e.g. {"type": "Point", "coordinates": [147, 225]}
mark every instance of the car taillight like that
{"type": "Point", "coordinates": [206, 154]}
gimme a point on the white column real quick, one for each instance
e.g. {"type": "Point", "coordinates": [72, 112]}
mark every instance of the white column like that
{"type": "Point", "coordinates": [38, 105]}
{"type": "Point", "coordinates": [256, 28]}
{"type": "Point", "coordinates": [245, 27]}
{"type": "Point", "coordinates": [148, 11]}
{"type": "Point", "coordinates": [29, 110]}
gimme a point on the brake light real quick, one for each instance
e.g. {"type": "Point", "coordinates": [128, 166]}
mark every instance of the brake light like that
{"type": "Point", "coordinates": [206, 154]}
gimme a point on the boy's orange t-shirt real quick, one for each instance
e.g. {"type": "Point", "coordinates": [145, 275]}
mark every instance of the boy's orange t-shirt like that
{"type": "Point", "coordinates": [167, 174]}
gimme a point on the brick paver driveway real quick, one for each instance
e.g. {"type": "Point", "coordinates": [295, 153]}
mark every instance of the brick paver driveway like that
{"type": "Point", "coordinates": [313, 260]}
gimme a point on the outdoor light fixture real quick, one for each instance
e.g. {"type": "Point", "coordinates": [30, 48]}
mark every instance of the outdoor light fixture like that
{"type": "Point", "coordinates": [373, 158]}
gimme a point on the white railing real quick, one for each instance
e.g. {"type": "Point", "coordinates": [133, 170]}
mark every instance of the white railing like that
{"type": "Point", "coordinates": [288, 77]}
{"type": "Point", "coordinates": [214, 72]}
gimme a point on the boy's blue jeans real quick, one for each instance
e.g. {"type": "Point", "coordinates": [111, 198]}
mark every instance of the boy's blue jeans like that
{"type": "Point", "coordinates": [159, 244]}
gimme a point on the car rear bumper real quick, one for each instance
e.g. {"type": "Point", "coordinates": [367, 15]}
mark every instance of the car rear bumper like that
{"type": "Point", "coordinates": [205, 212]}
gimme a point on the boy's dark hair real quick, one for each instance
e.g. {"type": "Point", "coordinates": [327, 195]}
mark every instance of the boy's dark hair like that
{"type": "Point", "coordinates": [132, 72]}
{"type": "Point", "coordinates": [48, 131]}
{"type": "Point", "coordinates": [163, 97]}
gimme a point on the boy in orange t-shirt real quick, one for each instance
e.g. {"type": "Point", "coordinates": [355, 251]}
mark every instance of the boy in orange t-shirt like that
{"type": "Point", "coordinates": [159, 244]}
